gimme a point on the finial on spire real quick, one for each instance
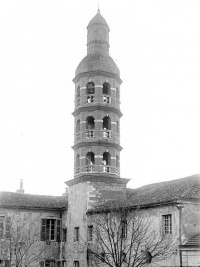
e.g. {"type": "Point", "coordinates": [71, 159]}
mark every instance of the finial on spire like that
{"type": "Point", "coordinates": [98, 10]}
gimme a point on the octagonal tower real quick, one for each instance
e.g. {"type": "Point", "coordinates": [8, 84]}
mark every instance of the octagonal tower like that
{"type": "Point", "coordinates": [97, 107]}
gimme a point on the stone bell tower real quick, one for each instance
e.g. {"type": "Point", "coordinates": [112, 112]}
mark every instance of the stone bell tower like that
{"type": "Point", "coordinates": [97, 117]}
{"type": "Point", "coordinates": [96, 138]}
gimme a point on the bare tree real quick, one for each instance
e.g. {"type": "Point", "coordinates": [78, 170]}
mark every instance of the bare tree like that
{"type": "Point", "coordinates": [126, 238]}
{"type": "Point", "coordinates": [21, 244]}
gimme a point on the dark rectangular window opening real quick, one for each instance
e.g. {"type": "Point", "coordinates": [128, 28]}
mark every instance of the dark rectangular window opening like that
{"type": "Point", "coordinates": [167, 224]}
{"type": "Point", "coordinates": [90, 232]}
{"type": "Point", "coordinates": [76, 234]}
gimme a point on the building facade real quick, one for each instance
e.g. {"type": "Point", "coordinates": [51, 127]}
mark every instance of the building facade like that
{"type": "Point", "coordinates": [58, 230]}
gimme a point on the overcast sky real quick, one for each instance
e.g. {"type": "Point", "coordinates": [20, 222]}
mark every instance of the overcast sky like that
{"type": "Point", "coordinates": [156, 45]}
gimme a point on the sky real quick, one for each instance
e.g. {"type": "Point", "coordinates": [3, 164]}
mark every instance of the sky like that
{"type": "Point", "coordinates": [156, 45]}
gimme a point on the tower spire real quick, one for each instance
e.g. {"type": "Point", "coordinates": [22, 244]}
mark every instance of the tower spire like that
{"type": "Point", "coordinates": [98, 10]}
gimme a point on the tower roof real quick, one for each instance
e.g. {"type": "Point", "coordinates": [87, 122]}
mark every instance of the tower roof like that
{"type": "Point", "coordinates": [97, 62]}
{"type": "Point", "coordinates": [97, 19]}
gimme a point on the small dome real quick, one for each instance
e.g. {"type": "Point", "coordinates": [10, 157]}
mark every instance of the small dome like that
{"type": "Point", "coordinates": [97, 61]}
{"type": "Point", "coordinates": [98, 19]}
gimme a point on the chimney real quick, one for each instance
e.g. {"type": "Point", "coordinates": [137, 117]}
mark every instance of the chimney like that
{"type": "Point", "coordinates": [66, 193]}
{"type": "Point", "coordinates": [21, 190]}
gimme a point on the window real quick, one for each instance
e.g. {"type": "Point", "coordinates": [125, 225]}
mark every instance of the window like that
{"type": "Point", "coordinates": [107, 123]}
{"type": "Point", "coordinates": [90, 232]}
{"type": "Point", "coordinates": [5, 224]}
{"type": "Point", "coordinates": [124, 228]}
{"type": "Point", "coordinates": [90, 123]}
{"type": "Point", "coordinates": [167, 224]}
{"type": "Point", "coordinates": [50, 263]}
{"type": "Point", "coordinates": [76, 263]}
{"type": "Point", "coordinates": [50, 230]}
{"type": "Point", "coordinates": [106, 158]}
{"type": "Point", "coordinates": [76, 234]}
{"type": "Point", "coordinates": [8, 222]}
{"type": "Point", "coordinates": [90, 159]}
{"type": "Point", "coordinates": [106, 88]}
{"type": "Point", "coordinates": [64, 235]}
{"type": "Point", "coordinates": [90, 88]}
{"type": "Point", "coordinates": [2, 219]}
{"type": "Point", "coordinates": [102, 255]}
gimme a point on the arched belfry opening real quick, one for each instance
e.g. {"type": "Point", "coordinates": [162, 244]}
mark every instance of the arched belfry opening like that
{"type": "Point", "coordinates": [90, 124]}
{"type": "Point", "coordinates": [107, 123]}
{"type": "Point", "coordinates": [90, 159]}
{"type": "Point", "coordinates": [90, 88]}
{"type": "Point", "coordinates": [106, 88]}
{"type": "Point", "coordinates": [106, 158]}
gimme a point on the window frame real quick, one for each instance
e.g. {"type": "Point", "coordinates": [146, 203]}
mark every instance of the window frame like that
{"type": "Point", "coordinates": [76, 263]}
{"type": "Point", "coordinates": [46, 234]}
{"type": "Point", "coordinates": [167, 224]}
{"type": "Point", "coordinates": [64, 234]}
{"type": "Point", "coordinates": [76, 234]}
{"type": "Point", "coordinates": [90, 233]}
{"type": "Point", "coordinates": [50, 261]}
{"type": "Point", "coordinates": [90, 88]}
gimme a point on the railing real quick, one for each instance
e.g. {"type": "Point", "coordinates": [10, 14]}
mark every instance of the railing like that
{"type": "Point", "coordinates": [97, 168]}
{"type": "Point", "coordinates": [89, 168]}
{"type": "Point", "coordinates": [106, 169]}
{"type": "Point", "coordinates": [89, 134]}
{"type": "Point", "coordinates": [78, 101]}
{"type": "Point", "coordinates": [105, 134]}
{"type": "Point", "coordinates": [90, 99]}
{"type": "Point", "coordinates": [106, 99]}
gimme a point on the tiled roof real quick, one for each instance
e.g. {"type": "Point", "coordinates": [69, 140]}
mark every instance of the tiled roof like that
{"type": "Point", "coordinates": [28, 201]}
{"type": "Point", "coordinates": [180, 189]}
{"type": "Point", "coordinates": [193, 242]}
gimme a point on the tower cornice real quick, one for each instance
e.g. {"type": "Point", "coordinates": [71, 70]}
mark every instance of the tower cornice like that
{"type": "Point", "coordinates": [98, 178]}
{"type": "Point", "coordinates": [95, 73]}
{"type": "Point", "coordinates": [97, 107]}
{"type": "Point", "coordinates": [96, 143]}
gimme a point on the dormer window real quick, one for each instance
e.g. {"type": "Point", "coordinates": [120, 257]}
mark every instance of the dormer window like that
{"type": "Point", "coordinates": [106, 88]}
{"type": "Point", "coordinates": [90, 88]}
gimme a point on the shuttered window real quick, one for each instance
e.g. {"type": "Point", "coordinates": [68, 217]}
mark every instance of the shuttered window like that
{"type": "Point", "coordinates": [8, 221]}
{"type": "Point", "coordinates": [50, 230]}
{"type": "Point", "coordinates": [58, 234]}
{"type": "Point", "coordinates": [64, 235]}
